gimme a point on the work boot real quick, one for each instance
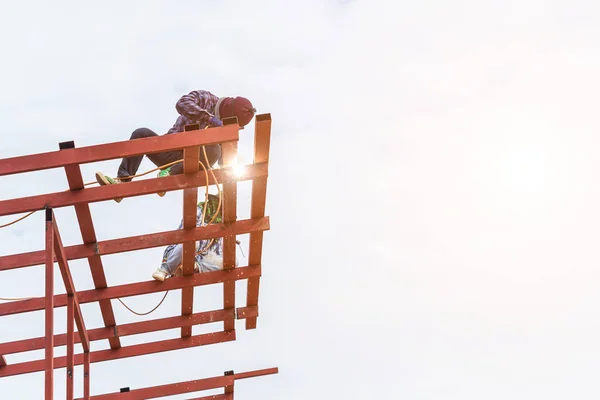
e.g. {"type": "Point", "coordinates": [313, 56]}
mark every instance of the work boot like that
{"type": "Point", "coordinates": [160, 274]}
{"type": "Point", "coordinates": [162, 173]}
{"type": "Point", "coordinates": [107, 180]}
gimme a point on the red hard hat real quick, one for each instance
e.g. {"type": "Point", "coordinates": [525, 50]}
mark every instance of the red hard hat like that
{"type": "Point", "coordinates": [239, 107]}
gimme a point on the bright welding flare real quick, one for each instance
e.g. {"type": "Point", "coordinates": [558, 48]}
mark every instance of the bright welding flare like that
{"type": "Point", "coordinates": [237, 169]}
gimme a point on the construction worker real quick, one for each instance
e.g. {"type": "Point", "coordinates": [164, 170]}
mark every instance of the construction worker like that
{"type": "Point", "coordinates": [209, 252]}
{"type": "Point", "coordinates": [199, 106]}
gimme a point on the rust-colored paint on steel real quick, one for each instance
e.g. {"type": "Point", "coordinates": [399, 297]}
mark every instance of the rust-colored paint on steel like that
{"type": "Point", "coordinates": [228, 396]}
{"type": "Point", "coordinates": [169, 389]}
{"type": "Point", "coordinates": [172, 389]}
{"type": "Point", "coordinates": [88, 235]}
{"type": "Point", "coordinates": [230, 156]}
{"type": "Point", "coordinates": [140, 242]}
{"type": "Point", "coordinates": [70, 158]}
{"type": "Point", "coordinates": [124, 190]}
{"type": "Point", "coordinates": [123, 352]}
{"type": "Point", "coordinates": [86, 375]}
{"type": "Point", "coordinates": [63, 264]}
{"type": "Point", "coordinates": [135, 289]}
{"type": "Point", "coordinates": [133, 328]}
{"type": "Point", "coordinates": [70, 345]}
{"type": "Point", "coordinates": [229, 389]}
{"type": "Point", "coordinates": [49, 311]}
{"type": "Point", "coordinates": [262, 140]}
{"type": "Point", "coordinates": [259, 372]}
{"type": "Point", "coordinates": [191, 157]}
{"type": "Point", "coordinates": [109, 151]}
{"type": "Point", "coordinates": [247, 312]}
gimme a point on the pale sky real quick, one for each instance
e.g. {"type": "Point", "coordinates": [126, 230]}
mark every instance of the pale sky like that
{"type": "Point", "coordinates": [432, 187]}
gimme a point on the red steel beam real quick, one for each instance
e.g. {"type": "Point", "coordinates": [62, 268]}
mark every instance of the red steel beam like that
{"type": "Point", "coordinates": [63, 265]}
{"type": "Point", "coordinates": [230, 157]}
{"type": "Point", "coordinates": [172, 389]}
{"type": "Point", "coordinates": [70, 345]}
{"type": "Point", "coordinates": [48, 303]}
{"type": "Point", "coordinates": [191, 156]}
{"type": "Point", "coordinates": [140, 242]}
{"type": "Point", "coordinates": [134, 289]}
{"type": "Point", "coordinates": [229, 390]}
{"type": "Point", "coordinates": [245, 312]}
{"type": "Point", "coordinates": [86, 375]}
{"type": "Point", "coordinates": [124, 190]}
{"type": "Point", "coordinates": [230, 153]}
{"type": "Point", "coordinates": [109, 151]}
{"type": "Point", "coordinates": [88, 235]}
{"type": "Point", "coordinates": [134, 328]}
{"type": "Point", "coordinates": [262, 140]}
{"type": "Point", "coordinates": [122, 352]}
{"type": "Point", "coordinates": [243, 375]}
{"type": "Point", "coordinates": [155, 392]}
{"type": "Point", "coordinates": [253, 374]}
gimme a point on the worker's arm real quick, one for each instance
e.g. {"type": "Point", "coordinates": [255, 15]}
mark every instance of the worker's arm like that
{"type": "Point", "coordinates": [192, 106]}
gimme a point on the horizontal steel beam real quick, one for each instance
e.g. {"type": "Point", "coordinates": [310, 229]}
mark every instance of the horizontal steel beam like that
{"type": "Point", "coordinates": [134, 328]}
{"type": "Point", "coordinates": [122, 352]}
{"type": "Point", "coordinates": [140, 242]}
{"type": "Point", "coordinates": [128, 189]}
{"type": "Point", "coordinates": [225, 396]}
{"type": "Point", "coordinates": [185, 387]}
{"type": "Point", "coordinates": [254, 374]}
{"type": "Point", "coordinates": [155, 392]}
{"type": "Point", "coordinates": [134, 289]}
{"type": "Point", "coordinates": [109, 151]}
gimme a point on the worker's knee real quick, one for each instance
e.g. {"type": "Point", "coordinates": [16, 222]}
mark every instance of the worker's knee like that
{"type": "Point", "coordinates": [213, 153]}
{"type": "Point", "coordinates": [142, 133]}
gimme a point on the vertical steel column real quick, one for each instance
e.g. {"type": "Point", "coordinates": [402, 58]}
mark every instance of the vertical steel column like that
{"type": "Point", "coordinates": [191, 157]}
{"type": "Point", "coordinates": [262, 143]}
{"type": "Point", "coordinates": [229, 388]}
{"type": "Point", "coordinates": [49, 306]}
{"type": "Point", "coordinates": [229, 213]}
{"type": "Point", "coordinates": [70, 345]}
{"type": "Point", "coordinates": [86, 375]}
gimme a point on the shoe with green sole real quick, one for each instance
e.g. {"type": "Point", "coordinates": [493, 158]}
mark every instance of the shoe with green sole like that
{"type": "Point", "coordinates": [162, 173]}
{"type": "Point", "coordinates": [104, 180]}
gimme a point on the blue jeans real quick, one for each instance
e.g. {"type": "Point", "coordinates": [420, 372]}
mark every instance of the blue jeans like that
{"type": "Point", "coordinates": [209, 260]}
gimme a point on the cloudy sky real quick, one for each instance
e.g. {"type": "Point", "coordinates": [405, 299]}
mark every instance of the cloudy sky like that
{"type": "Point", "coordinates": [432, 187]}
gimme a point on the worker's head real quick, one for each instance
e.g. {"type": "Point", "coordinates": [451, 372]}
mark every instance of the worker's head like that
{"type": "Point", "coordinates": [239, 107]}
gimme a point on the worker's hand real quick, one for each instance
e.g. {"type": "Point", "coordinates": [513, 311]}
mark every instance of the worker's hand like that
{"type": "Point", "coordinates": [214, 121]}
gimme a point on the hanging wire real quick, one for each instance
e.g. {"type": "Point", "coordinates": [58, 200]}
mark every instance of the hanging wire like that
{"type": "Point", "coordinates": [146, 313]}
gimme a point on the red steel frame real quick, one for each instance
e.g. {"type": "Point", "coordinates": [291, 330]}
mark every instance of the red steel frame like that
{"type": "Point", "coordinates": [70, 158]}
{"type": "Point", "coordinates": [226, 382]}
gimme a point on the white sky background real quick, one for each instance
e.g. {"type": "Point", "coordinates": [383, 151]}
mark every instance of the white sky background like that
{"type": "Point", "coordinates": [432, 186]}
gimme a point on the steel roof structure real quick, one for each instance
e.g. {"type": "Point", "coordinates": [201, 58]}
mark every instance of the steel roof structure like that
{"type": "Point", "coordinates": [79, 196]}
